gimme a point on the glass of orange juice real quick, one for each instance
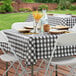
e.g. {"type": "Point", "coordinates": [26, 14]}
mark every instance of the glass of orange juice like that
{"type": "Point", "coordinates": [37, 16]}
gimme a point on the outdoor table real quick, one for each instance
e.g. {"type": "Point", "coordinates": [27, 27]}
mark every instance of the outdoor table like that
{"type": "Point", "coordinates": [52, 20]}
{"type": "Point", "coordinates": [70, 21]}
{"type": "Point", "coordinates": [36, 46]}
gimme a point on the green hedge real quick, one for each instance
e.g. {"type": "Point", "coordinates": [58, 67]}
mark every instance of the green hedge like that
{"type": "Point", "coordinates": [6, 6]}
{"type": "Point", "coordinates": [25, 9]}
{"type": "Point", "coordinates": [43, 7]}
{"type": "Point", "coordinates": [72, 7]}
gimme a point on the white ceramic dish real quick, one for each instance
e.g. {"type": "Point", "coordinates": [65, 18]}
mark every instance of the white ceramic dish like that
{"type": "Point", "coordinates": [24, 30]}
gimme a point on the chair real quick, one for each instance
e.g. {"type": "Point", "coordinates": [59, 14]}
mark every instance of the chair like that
{"type": "Point", "coordinates": [9, 56]}
{"type": "Point", "coordinates": [68, 39]}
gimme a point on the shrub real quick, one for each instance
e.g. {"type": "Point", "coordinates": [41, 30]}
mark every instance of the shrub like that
{"type": "Point", "coordinates": [28, 9]}
{"type": "Point", "coordinates": [43, 7]}
{"type": "Point", "coordinates": [68, 4]}
{"type": "Point", "coordinates": [1, 1]}
{"type": "Point", "coordinates": [62, 5]}
{"type": "Point", "coordinates": [2, 10]}
{"type": "Point", "coordinates": [72, 7]}
{"type": "Point", "coordinates": [25, 9]}
{"type": "Point", "coordinates": [7, 7]}
{"type": "Point", "coordinates": [34, 8]}
{"type": "Point", "coordinates": [22, 9]}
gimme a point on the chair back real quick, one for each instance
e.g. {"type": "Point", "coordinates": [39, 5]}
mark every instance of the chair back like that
{"type": "Point", "coordinates": [63, 40]}
{"type": "Point", "coordinates": [66, 39]}
{"type": "Point", "coordinates": [21, 25]}
{"type": "Point", "coordinates": [18, 25]}
{"type": "Point", "coordinates": [3, 37]}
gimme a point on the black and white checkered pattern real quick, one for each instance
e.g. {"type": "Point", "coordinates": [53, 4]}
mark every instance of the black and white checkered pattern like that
{"type": "Point", "coordinates": [36, 46]}
{"type": "Point", "coordinates": [71, 21]}
{"type": "Point", "coordinates": [62, 21]}
{"type": "Point", "coordinates": [57, 20]}
{"type": "Point", "coordinates": [30, 18]}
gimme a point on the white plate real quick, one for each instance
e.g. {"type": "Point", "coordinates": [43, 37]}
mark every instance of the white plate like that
{"type": "Point", "coordinates": [24, 30]}
{"type": "Point", "coordinates": [60, 27]}
{"type": "Point", "coordinates": [29, 27]}
{"type": "Point", "coordinates": [54, 31]}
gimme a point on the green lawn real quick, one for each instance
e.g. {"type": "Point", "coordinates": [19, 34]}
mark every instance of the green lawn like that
{"type": "Point", "coordinates": [63, 12]}
{"type": "Point", "coordinates": [6, 20]}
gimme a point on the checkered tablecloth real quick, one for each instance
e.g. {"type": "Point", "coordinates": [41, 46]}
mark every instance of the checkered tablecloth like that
{"type": "Point", "coordinates": [62, 21]}
{"type": "Point", "coordinates": [36, 46]}
{"type": "Point", "coordinates": [57, 20]}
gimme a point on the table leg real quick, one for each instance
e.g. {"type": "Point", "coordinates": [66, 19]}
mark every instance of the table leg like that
{"type": "Point", "coordinates": [56, 71]}
{"type": "Point", "coordinates": [6, 68]}
{"type": "Point", "coordinates": [32, 69]}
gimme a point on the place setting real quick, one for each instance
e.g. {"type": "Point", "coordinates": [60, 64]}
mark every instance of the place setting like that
{"type": "Point", "coordinates": [59, 29]}
{"type": "Point", "coordinates": [33, 29]}
{"type": "Point", "coordinates": [26, 31]}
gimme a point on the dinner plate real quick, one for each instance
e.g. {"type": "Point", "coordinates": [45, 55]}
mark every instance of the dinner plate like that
{"type": "Point", "coordinates": [57, 31]}
{"type": "Point", "coordinates": [24, 30]}
{"type": "Point", "coordinates": [29, 27]}
{"type": "Point", "coordinates": [60, 27]}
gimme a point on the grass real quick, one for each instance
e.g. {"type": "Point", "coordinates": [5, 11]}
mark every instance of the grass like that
{"type": "Point", "coordinates": [63, 12]}
{"type": "Point", "coordinates": [6, 20]}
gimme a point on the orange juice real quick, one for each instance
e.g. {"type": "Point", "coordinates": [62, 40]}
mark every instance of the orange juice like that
{"type": "Point", "coordinates": [37, 15]}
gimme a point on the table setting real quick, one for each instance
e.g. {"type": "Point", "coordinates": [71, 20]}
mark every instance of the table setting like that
{"type": "Point", "coordinates": [58, 29]}
{"type": "Point", "coordinates": [43, 26]}
{"type": "Point", "coordinates": [52, 20]}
